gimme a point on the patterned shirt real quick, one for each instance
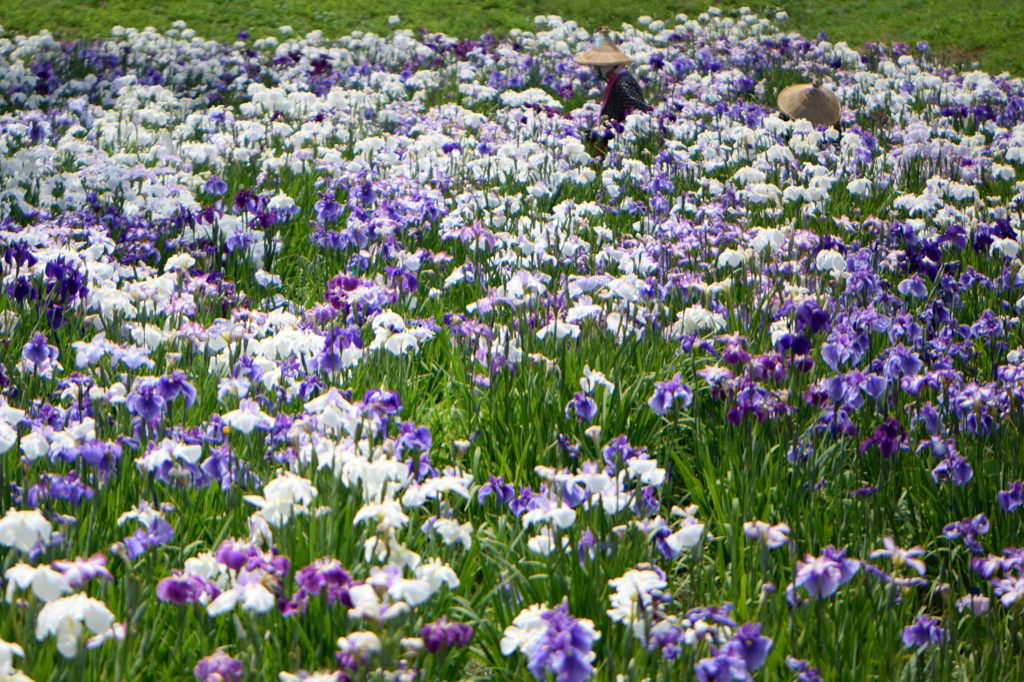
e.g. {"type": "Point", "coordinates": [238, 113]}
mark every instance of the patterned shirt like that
{"type": "Point", "coordinates": [625, 97]}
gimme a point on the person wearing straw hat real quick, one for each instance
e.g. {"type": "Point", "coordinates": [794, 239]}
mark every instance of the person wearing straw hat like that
{"type": "Point", "coordinates": [812, 102]}
{"type": "Point", "coordinates": [622, 94]}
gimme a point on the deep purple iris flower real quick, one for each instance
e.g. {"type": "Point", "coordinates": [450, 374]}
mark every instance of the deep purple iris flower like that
{"type": "Point", "coordinates": [583, 406]}
{"type": "Point", "coordinates": [177, 383]}
{"type": "Point", "coordinates": [503, 492]}
{"type": "Point", "coordinates": [442, 634]}
{"type": "Point", "coordinates": [179, 588]}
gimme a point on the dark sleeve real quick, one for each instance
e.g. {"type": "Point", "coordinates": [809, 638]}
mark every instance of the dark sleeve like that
{"type": "Point", "coordinates": [626, 97]}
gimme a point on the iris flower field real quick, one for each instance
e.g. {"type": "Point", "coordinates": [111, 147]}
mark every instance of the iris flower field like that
{"type": "Point", "coordinates": [343, 360]}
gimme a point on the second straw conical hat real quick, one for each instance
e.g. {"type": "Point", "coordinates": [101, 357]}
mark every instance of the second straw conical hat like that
{"type": "Point", "coordinates": [812, 102]}
{"type": "Point", "coordinates": [604, 53]}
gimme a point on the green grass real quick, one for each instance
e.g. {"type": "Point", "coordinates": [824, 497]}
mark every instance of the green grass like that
{"type": "Point", "coordinates": [986, 31]}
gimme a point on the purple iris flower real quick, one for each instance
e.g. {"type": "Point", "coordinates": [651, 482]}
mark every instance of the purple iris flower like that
{"type": "Point", "coordinates": [932, 420]}
{"type": "Point", "coordinates": [388, 402]}
{"type": "Point", "coordinates": [574, 494]}
{"type": "Point", "coordinates": [901, 361]}
{"type": "Point", "coordinates": [750, 645]}
{"type": "Point", "coordinates": [179, 588]}
{"type": "Point", "coordinates": [159, 533]}
{"type": "Point", "coordinates": [1013, 498]}
{"type": "Point", "coordinates": [565, 649]}
{"type": "Point", "coordinates": [844, 348]}
{"type": "Point", "coordinates": [890, 437]}
{"type": "Point", "coordinates": [218, 667]}
{"type": "Point", "coordinates": [327, 209]}
{"type": "Point", "coordinates": [668, 394]}
{"type": "Point", "coordinates": [235, 553]}
{"type": "Point", "coordinates": [968, 530]}
{"type": "Point", "coordinates": [413, 438]}
{"type": "Point", "coordinates": [226, 468]}
{"type": "Point", "coordinates": [248, 201]}
{"type": "Point", "coordinates": [19, 254]}
{"type": "Point", "coordinates": [804, 671]}
{"type": "Point", "coordinates": [82, 570]}
{"type": "Point", "coordinates": [822, 576]}
{"type": "Point", "coordinates": [722, 667]}
{"type": "Point", "coordinates": [442, 634]}
{"type": "Point", "coordinates": [925, 630]}
{"type": "Point", "coordinates": [56, 487]}
{"type": "Point", "coordinates": [913, 287]}
{"type": "Point", "coordinates": [670, 639]}
{"type": "Point", "coordinates": [215, 186]}
{"type": "Point", "coordinates": [147, 402]}
{"type": "Point", "coordinates": [170, 387]}
{"type": "Point", "coordinates": [22, 289]}
{"type": "Point", "coordinates": [326, 573]}
{"type": "Point", "coordinates": [585, 547]}
{"type": "Point", "coordinates": [583, 406]}
{"type": "Point", "coordinates": [38, 351]}
{"type": "Point", "coordinates": [954, 468]}
{"type": "Point", "coordinates": [503, 492]}
{"type": "Point", "coordinates": [64, 281]}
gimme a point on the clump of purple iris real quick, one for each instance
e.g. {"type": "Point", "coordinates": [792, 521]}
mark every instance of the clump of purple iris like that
{"type": "Point", "coordinates": [331, 358]}
{"type": "Point", "coordinates": [382, 402]}
{"type": "Point", "coordinates": [323, 574]}
{"type": "Point", "coordinates": [155, 530]}
{"type": "Point", "coordinates": [954, 468]}
{"type": "Point", "coordinates": [64, 284]}
{"type": "Point", "coordinates": [218, 667]}
{"type": "Point", "coordinates": [810, 318]}
{"type": "Point", "coordinates": [822, 576]}
{"type": "Point", "coordinates": [669, 394]}
{"type": "Point", "coordinates": [442, 634]}
{"type": "Point", "coordinates": [925, 630]}
{"type": "Point", "coordinates": [565, 649]}
{"type": "Point", "coordinates": [157, 534]}
{"type": "Point", "coordinates": [69, 488]}
{"type": "Point", "coordinates": [181, 588]}
{"type": "Point", "coordinates": [968, 530]}
{"type": "Point", "coordinates": [1010, 587]}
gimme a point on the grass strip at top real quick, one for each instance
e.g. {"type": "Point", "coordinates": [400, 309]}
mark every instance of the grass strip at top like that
{"type": "Point", "coordinates": [982, 32]}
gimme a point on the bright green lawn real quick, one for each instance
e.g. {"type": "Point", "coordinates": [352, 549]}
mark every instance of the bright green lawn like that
{"type": "Point", "coordinates": [988, 31]}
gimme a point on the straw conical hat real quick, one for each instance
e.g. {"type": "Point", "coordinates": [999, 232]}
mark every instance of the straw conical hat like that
{"type": "Point", "coordinates": [604, 53]}
{"type": "Point", "coordinates": [809, 101]}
